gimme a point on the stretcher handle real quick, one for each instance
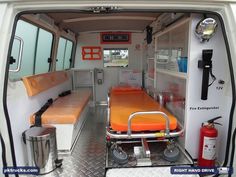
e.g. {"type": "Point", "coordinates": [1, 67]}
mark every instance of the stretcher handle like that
{"type": "Point", "coordinates": [129, 132]}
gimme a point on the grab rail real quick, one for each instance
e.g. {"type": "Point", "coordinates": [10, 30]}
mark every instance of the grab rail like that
{"type": "Point", "coordinates": [173, 134]}
{"type": "Point", "coordinates": [20, 55]}
{"type": "Point", "coordinates": [167, 131]}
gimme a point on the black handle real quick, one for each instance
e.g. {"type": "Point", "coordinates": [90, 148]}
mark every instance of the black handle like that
{"type": "Point", "coordinates": [58, 163]}
{"type": "Point", "coordinates": [218, 123]}
{"type": "Point", "coordinates": [214, 119]}
{"type": "Point", "coordinates": [38, 114]}
{"type": "Point", "coordinates": [12, 60]}
{"type": "Point", "coordinates": [24, 137]}
{"type": "Point", "coordinates": [205, 81]}
{"type": "Point", "coordinates": [206, 65]}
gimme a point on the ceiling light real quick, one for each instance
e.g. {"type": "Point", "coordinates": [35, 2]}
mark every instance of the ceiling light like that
{"type": "Point", "coordinates": [206, 29]}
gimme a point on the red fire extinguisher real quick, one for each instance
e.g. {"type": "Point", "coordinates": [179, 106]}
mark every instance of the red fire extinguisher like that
{"type": "Point", "coordinates": [207, 143]}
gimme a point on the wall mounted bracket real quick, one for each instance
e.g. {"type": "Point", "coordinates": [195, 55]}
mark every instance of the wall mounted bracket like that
{"type": "Point", "coordinates": [206, 65]}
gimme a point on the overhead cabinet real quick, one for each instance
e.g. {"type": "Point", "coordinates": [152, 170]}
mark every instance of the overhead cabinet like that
{"type": "Point", "coordinates": [170, 58]}
{"type": "Point", "coordinates": [171, 49]}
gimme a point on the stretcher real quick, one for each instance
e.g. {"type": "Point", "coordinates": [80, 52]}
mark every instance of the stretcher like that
{"type": "Point", "coordinates": [132, 113]}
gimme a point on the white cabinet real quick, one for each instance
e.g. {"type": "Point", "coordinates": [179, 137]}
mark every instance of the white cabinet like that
{"type": "Point", "coordinates": [171, 49]}
{"type": "Point", "coordinates": [164, 69]}
{"type": "Point", "coordinates": [150, 74]}
{"type": "Point", "coordinates": [171, 58]}
{"type": "Point", "coordinates": [84, 79]}
{"type": "Point", "coordinates": [163, 74]}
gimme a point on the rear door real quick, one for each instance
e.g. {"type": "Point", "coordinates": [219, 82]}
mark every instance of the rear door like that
{"type": "Point", "coordinates": [233, 143]}
{"type": "Point", "coordinates": [5, 142]}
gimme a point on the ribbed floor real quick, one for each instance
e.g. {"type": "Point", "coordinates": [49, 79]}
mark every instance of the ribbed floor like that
{"type": "Point", "coordinates": [88, 156]}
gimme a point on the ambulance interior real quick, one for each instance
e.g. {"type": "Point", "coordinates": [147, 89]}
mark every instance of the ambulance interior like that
{"type": "Point", "coordinates": [124, 90]}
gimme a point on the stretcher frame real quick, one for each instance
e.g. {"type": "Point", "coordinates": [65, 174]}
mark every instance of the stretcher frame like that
{"type": "Point", "coordinates": [130, 135]}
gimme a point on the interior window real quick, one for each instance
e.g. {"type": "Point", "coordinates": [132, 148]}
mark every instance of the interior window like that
{"type": "Point", "coordinates": [60, 54]}
{"type": "Point", "coordinates": [25, 34]}
{"type": "Point", "coordinates": [43, 53]}
{"type": "Point", "coordinates": [31, 50]}
{"type": "Point", "coordinates": [64, 54]}
{"type": "Point", "coordinates": [68, 54]}
{"type": "Point", "coordinates": [116, 57]}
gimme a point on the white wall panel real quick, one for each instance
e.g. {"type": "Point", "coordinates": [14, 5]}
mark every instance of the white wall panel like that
{"type": "Point", "coordinates": [110, 74]}
{"type": "Point", "coordinates": [218, 98]}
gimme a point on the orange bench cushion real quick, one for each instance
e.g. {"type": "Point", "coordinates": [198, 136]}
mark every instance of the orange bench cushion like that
{"type": "Point", "coordinates": [65, 110]}
{"type": "Point", "coordinates": [125, 89]}
{"type": "Point", "coordinates": [122, 104]}
{"type": "Point", "coordinates": [38, 83]}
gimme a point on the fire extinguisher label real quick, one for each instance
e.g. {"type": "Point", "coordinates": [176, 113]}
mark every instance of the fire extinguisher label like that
{"type": "Point", "coordinates": [209, 148]}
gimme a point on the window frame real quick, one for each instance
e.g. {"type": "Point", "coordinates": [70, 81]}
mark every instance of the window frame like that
{"type": "Point", "coordinates": [71, 55]}
{"type": "Point", "coordinates": [51, 52]}
{"type": "Point", "coordinates": [36, 45]}
{"type": "Point", "coordinates": [115, 48]}
{"type": "Point", "coordinates": [46, 29]}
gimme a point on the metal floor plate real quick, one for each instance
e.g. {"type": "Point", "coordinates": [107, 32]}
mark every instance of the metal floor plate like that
{"type": "Point", "coordinates": [88, 156]}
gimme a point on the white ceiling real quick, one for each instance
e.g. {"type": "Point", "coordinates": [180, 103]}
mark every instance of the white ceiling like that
{"type": "Point", "coordinates": [90, 22]}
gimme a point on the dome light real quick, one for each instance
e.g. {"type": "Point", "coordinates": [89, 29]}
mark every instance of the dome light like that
{"type": "Point", "coordinates": [206, 29]}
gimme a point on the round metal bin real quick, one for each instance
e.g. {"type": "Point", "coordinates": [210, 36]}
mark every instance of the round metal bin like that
{"type": "Point", "coordinates": [42, 148]}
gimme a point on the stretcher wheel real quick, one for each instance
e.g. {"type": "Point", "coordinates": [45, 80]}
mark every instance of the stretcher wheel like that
{"type": "Point", "coordinates": [119, 156]}
{"type": "Point", "coordinates": [172, 154]}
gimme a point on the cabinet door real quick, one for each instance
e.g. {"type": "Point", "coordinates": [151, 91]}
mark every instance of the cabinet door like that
{"type": "Point", "coordinates": [179, 39]}
{"type": "Point", "coordinates": [163, 41]}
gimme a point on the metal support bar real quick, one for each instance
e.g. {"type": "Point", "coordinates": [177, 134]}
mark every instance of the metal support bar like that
{"type": "Point", "coordinates": [146, 135]}
{"type": "Point", "coordinates": [146, 150]}
{"type": "Point", "coordinates": [108, 112]}
{"type": "Point", "coordinates": [167, 130]}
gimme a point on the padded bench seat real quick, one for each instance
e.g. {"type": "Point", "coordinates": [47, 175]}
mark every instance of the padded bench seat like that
{"type": "Point", "coordinates": [67, 113]}
{"type": "Point", "coordinates": [65, 110]}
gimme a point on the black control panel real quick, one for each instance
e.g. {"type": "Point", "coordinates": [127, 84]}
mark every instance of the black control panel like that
{"type": "Point", "coordinates": [115, 37]}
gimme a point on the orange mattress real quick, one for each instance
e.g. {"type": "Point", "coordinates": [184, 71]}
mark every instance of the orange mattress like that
{"type": "Point", "coordinates": [65, 110]}
{"type": "Point", "coordinates": [123, 103]}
